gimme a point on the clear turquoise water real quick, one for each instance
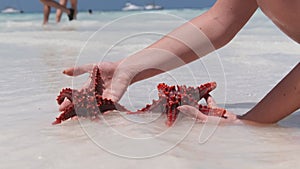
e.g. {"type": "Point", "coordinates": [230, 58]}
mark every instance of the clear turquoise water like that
{"type": "Point", "coordinates": [33, 56]}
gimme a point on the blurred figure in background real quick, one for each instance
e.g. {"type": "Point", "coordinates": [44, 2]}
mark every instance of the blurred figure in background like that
{"type": "Point", "coordinates": [47, 10]}
{"type": "Point", "coordinates": [61, 7]}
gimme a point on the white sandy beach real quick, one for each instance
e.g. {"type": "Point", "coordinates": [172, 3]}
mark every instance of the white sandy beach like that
{"type": "Point", "coordinates": [33, 57]}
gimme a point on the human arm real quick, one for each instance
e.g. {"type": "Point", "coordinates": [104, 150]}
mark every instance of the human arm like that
{"type": "Point", "coordinates": [189, 42]}
{"type": "Point", "coordinates": [280, 102]}
{"type": "Point", "coordinates": [201, 35]}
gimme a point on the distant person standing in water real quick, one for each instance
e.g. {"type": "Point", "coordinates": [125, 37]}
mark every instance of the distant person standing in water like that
{"type": "Point", "coordinates": [47, 10]}
{"type": "Point", "coordinates": [71, 12]}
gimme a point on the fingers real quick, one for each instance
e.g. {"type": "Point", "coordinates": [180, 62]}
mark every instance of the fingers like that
{"type": "Point", "coordinates": [117, 88]}
{"type": "Point", "coordinates": [75, 71]}
{"type": "Point", "coordinates": [192, 111]}
{"type": "Point", "coordinates": [113, 95]}
{"type": "Point", "coordinates": [210, 101]}
{"type": "Point", "coordinates": [64, 104]}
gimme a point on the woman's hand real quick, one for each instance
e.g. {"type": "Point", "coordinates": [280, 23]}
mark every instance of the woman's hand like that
{"type": "Point", "coordinates": [231, 118]}
{"type": "Point", "coordinates": [115, 80]}
{"type": "Point", "coordinates": [194, 112]}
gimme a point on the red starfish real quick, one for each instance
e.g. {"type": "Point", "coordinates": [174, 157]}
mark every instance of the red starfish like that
{"type": "Point", "coordinates": [170, 97]}
{"type": "Point", "coordinates": [89, 102]}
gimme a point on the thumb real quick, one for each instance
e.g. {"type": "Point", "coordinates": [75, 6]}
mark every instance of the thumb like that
{"type": "Point", "coordinates": [192, 111]}
{"type": "Point", "coordinates": [75, 71]}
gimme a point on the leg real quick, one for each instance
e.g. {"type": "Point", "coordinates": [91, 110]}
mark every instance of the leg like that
{"type": "Point", "coordinates": [47, 10]}
{"type": "Point", "coordinates": [281, 101]}
{"type": "Point", "coordinates": [56, 5]}
{"type": "Point", "coordinates": [74, 6]}
{"type": "Point", "coordinates": [58, 11]}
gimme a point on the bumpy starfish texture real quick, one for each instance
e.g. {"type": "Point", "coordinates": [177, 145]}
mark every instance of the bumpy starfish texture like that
{"type": "Point", "coordinates": [170, 97]}
{"type": "Point", "coordinates": [88, 102]}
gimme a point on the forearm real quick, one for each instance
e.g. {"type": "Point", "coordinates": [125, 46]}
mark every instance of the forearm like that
{"type": "Point", "coordinates": [192, 40]}
{"type": "Point", "coordinates": [200, 36]}
{"type": "Point", "coordinates": [185, 44]}
{"type": "Point", "coordinates": [281, 101]}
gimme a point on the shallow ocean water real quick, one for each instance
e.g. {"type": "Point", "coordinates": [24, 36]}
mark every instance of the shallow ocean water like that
{"type": "Point", "coordinates": [33, 56]}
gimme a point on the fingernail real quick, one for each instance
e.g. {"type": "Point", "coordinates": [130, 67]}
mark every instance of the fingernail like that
{"type": "Point", "coordinates": [64, 72]}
